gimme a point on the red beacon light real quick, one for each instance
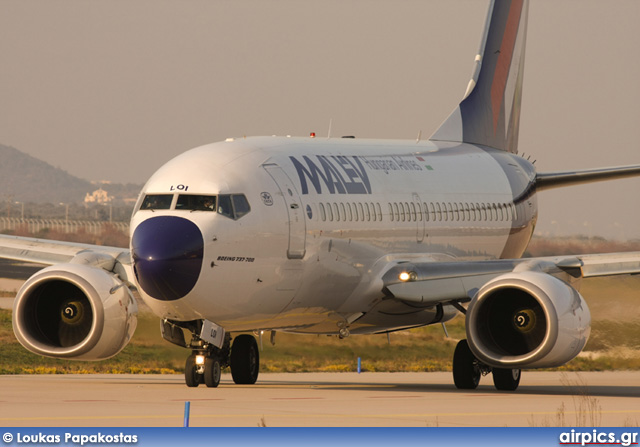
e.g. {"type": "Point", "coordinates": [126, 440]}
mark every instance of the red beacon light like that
{"type": "Point", "coordinates": [312, 134]}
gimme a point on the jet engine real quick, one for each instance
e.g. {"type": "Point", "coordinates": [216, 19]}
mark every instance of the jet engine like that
{"type": "Point", "coordinates": [74, 311]}
{"type": "Point", "coordinates": [527, 320]}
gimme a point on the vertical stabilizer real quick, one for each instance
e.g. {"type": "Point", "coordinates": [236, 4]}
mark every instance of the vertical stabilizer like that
{"type": "Point", "coordinates": [489, 114]}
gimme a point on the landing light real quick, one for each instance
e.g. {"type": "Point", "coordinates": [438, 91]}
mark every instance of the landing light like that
{"type": "Point", "coordinates": [408, 276]}
{"type": "Point", "coordinates": [199, 359]}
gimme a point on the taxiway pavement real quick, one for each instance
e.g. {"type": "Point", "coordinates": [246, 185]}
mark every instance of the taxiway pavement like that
{"type": "Point", "coordinates": [321, 399]}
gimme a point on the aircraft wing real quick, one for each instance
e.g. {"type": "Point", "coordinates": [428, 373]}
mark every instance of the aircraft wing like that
{"type": "Point", "coordinates": [48, 252]}
{"type": "Point", "coordinates": [455, 282]}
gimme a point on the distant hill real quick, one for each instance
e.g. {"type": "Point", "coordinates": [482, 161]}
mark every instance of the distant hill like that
{"type": "Point", "coordinates": [24, 178]}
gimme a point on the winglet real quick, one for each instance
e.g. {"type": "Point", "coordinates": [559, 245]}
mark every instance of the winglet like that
{"type": "Point", "coordinates": [489, 114]}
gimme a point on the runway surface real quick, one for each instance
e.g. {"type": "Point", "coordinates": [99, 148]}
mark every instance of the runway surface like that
{"type": "Point", "coordinates": [321, 399]}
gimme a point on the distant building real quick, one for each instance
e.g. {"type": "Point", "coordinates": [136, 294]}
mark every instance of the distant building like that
{"type": "Point", "coordinates": [99, 196]}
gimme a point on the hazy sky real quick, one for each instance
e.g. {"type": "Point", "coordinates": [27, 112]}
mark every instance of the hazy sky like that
{"type": "Point", "coordinates": [113, 89]}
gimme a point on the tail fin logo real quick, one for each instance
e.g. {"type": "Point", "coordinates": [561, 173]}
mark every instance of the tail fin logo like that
{"type": "Point", "coordinates": [489, 114]}
{"type": "Point", "coordinates": [504, 69]}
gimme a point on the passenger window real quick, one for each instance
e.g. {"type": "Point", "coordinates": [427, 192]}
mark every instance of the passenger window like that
{"type": "Point", "coordinates": [456, 213]}
{"type": "Point", "coordinates": [343, 212]}
{"type": "Point", "coordinates": [361, 211]}
{"type": "Point", "coordinates": [426, 211]}
{"type": "Point", "coordinates": [336, 213]}
{"type": "Point", "coordinates": [438, 212]}
{"type": "Point", "coordinates": [374, 216]}
{"type": "Point", "coordinates": [379, 208]}
{"type": "Point", "coordinates": [355, 212]}
{"type": "Point", "coordinates": [329, 212]}
{"type": "Point", "coordinates": [414, 215]}
{"type": "Point", "coordinates": [391, 212]}
{"type": "Point", "coordinates": [367, 211]}
{"type": "Point", "coordinates": [323, 213]}
{"type": "Point", "coordinates": [157, 202]}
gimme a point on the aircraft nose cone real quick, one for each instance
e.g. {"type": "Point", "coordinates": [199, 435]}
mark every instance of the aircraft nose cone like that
{"type": "Point", "coordinates": [167, 256]}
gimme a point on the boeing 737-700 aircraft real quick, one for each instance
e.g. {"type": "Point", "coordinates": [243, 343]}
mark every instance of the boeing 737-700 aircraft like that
{"type": "Point", "coordinates": [335, 236]}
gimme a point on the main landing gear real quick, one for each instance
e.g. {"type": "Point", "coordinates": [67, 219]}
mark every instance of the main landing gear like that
{"type": "Point", "coordinates": [205, 363]}
{"type": "Point", "coordinates": [467, 371]}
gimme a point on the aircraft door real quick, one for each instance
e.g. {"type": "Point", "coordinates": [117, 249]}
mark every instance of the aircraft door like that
{"type": "Point", "coordinates": [420, 218]}
{"type": "Point", "coordinates": [297, 225]}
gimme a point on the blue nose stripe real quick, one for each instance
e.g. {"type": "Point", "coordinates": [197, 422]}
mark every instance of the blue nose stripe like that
{"type": "Point", "coordinates": [167, 256]}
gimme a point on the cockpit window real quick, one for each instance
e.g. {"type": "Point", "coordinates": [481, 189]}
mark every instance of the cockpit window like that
{"type": "Point", "coordinates": [233, 206]}
{"type": "Point", "coordinates": [196, 203]}
{"type": "Point", "coordinates": [157, 202]}
{"type": "Point", "coordinates": [224, 206]}
{"type": "Point", "coordinates": [240, 205]}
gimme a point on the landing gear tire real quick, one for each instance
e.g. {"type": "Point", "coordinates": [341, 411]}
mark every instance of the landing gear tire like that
{"type": "Point", "coordinates": [212, 371]}
{"type": "Point", "coordinates": [245, 360]}
{"type": "Point", "coordinates": [506, 379]}
{"type": "Point", "coordinates": [191, 376]}
{"type": "Point", "coordinates": [466, 370]}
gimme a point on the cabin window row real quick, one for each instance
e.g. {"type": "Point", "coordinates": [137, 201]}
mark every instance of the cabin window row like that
{"type": "Point", "coordinates": [351, 211]}
{"type": "Point", "coordinates": [452, 212]}
{"type": "Point", "coordinates": [417, 212]}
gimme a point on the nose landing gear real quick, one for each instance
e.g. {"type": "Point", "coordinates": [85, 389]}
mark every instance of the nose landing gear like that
{"type": "Point", "coordinates": [202, 368]}
{"type": "Point", "coordinates": [205, 364]}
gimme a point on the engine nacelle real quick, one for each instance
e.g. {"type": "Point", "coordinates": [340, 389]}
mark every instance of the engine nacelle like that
{"type": "Point", "coordinates": [527, 320]}
{"type": "Point", "coordinates": [74, 311]}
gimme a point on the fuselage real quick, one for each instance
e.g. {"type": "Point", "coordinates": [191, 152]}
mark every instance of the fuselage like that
{"type": "Point", "coordinates": [300, 229]}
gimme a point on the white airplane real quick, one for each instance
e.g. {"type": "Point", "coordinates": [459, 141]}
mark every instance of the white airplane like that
{"type": "Point", "coordinates": [335, 236]}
